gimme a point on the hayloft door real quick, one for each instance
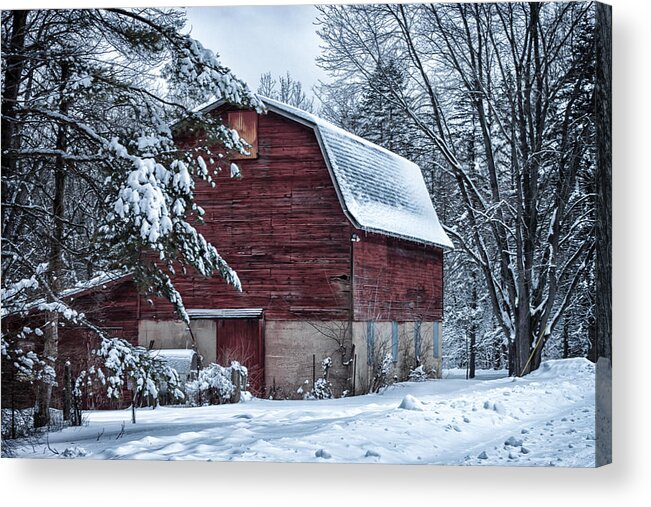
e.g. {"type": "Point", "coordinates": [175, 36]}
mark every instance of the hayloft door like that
{"type": "Point", "coordinates": [242, 340]}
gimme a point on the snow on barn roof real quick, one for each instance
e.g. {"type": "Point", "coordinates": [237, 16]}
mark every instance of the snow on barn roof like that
{"type": "Point", "coordinates": [99, 280]}
{"type": "Point", "coordinates": [379, 190]}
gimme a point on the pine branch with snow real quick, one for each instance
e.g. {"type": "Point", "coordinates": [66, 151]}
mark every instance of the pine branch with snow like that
{"type": "Point", "coordinates": [122, 366]}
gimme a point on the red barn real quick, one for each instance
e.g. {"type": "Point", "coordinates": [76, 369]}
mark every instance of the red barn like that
{"type": "Point", "coordinates": [339, 251]}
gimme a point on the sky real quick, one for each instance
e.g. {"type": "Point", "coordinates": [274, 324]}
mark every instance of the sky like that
{"type": "Point", "coordinates": [252, 40]}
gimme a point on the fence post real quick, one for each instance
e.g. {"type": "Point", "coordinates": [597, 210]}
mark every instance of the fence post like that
{"type": "Point", "coordinates": [236, 378]}
{"type": "Point", "coordinates": [67, 391]}
{"type": "Point", "coordinates": [354, 373]}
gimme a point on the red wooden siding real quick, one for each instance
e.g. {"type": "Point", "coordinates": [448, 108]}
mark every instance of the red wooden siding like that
{"type": "Point", "coordinates": [115, 308]}
{"type": "Point", "coordinates": [282, 229]}
{"type": "Point", "coordinates": [395, 279]}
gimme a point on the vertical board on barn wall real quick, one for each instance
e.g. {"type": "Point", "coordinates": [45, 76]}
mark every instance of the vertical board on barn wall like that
{"type": "Point", "coordinates": [436, 330]}
{"type": "Point", "coordinates": [394, 340]}
{"type": "Point", "coordinates": [246, 124]}
{"type": "Point", "coordinates": [370, 341]}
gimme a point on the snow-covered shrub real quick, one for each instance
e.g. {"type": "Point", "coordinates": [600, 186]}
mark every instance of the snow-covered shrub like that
{"type": "Point", "coordinates": [322, 387]}
{"type": "Point", "coordinates": [214, 384]}
{"type": "Point", "coordinates": [22, 370]}
{"type": "Point", "coordinates": [18, 428]}
{"type": "Point", "coordinates": [418, 374]}
{"type": "Point", "coordinates": [382, 373]}
{"type": "Point", "coordinates": [322, 390]}
{"type": "Point", "coordinates": [237, 367]}
{"type": "Point", "coordinates": [276, 392]}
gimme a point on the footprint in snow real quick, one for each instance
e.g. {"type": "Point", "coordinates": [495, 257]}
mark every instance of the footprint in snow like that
{"type": "Point", "coordinates": [74, 452]}
{"type": "Point", "coordinates": [322, 453]}
{"type": "Point", "coordinates": [513, 442]}
{"type": "Point", "coordinates": [499, 408]}
{"type": "Point", "coordinates": [244, 416]}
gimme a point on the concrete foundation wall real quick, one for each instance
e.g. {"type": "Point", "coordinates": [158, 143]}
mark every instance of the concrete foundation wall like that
{"type": "Point", "coordinates": [289, 346]}
{"type": "Point", "coordinates": [406, 358]}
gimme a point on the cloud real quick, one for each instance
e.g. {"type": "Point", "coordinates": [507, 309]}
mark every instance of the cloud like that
{"type": "Point", "coordinates": [253, 40]}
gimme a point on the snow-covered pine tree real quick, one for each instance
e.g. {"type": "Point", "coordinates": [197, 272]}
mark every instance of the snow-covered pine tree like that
{"type": "Point", "coordinates": [124, 366]}
{"type": "Point", "coordinates": [339, 103]}
{"type": "Point", "coordinates": [92, 179]}
{"type": "Point", "coordinates": [382, 119]}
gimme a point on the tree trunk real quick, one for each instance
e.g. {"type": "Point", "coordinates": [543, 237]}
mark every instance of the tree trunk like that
{"type": "Point", "coordinates": [536, 355]}
{"type": "Point", "coordinates": [55, 264]}
{"type": "Point", "coordinates": [499, 349]}
{"type": "Point", "coordinates": [13, 76]}
{"type": "Point", "coordinates": [67, 391]}
{"type": "Point", "coordinates": [511, 356]}
{"type": "Point", "coordinates": [603, 97]}
{"type": "Point", "coordinates": [523, 339]}
{"type": "Point", "coordinates": [566, 340]}
{"type": "Point", "coordinates": [12, 80]}
{"type": "Point", "coordinates": [44, 387]}
{"type": "Point", "coordinates": [603, 324]}
{"type": "Point", "coordinates": [472, 359]}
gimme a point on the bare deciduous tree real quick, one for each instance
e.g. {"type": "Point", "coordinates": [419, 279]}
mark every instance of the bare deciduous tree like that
{"type": "Point", "coordinates": [514, 82]}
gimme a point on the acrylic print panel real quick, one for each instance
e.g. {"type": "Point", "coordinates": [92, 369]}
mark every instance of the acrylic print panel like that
{"type": "Point", "coordinates": [336, 234]}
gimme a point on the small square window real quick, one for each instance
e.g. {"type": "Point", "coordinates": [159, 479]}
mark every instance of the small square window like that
{"type": "Point", "coordinates": [246, 124]}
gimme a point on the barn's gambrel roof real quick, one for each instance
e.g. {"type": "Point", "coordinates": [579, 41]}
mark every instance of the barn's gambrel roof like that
{"type": "Point", "coordinates": [379, 190]}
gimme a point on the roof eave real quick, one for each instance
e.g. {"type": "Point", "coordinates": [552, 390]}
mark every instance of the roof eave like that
{"type": "Point", "coordinates": [445, 248]}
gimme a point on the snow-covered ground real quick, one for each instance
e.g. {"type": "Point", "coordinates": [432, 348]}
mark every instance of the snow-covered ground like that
{"type": "Point", "coordinates": [544, 419]}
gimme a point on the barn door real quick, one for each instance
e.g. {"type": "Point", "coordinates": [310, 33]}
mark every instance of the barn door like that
{"type": "Point", "coordinates": [241, 340]}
